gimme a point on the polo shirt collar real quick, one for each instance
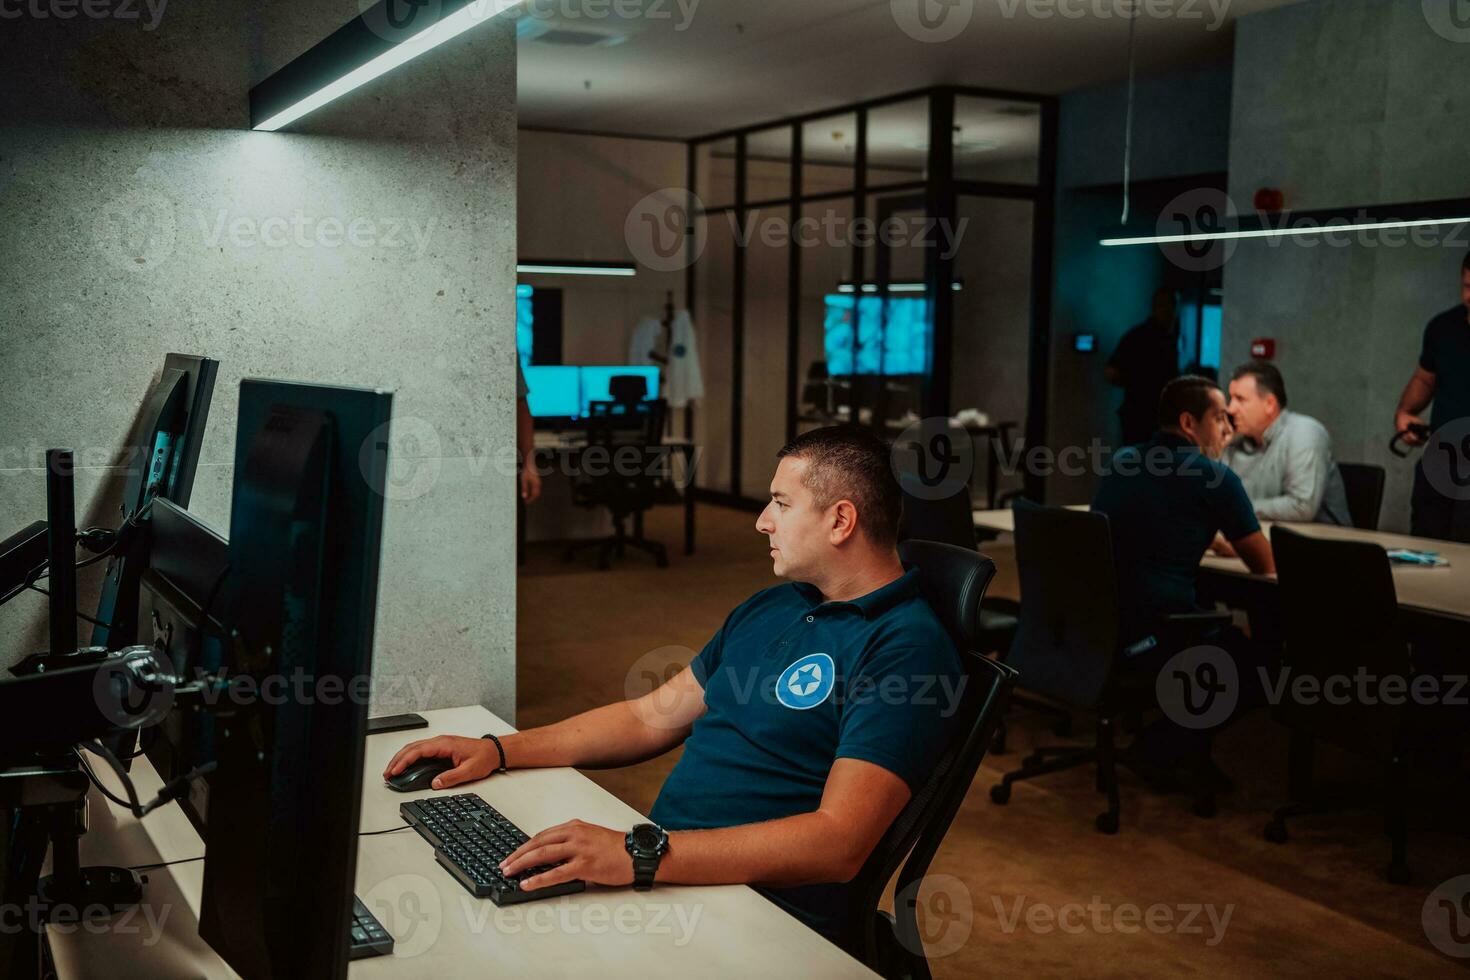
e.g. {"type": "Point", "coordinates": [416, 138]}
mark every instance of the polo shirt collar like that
{"type": "Point", "coordinates": [873, 604]}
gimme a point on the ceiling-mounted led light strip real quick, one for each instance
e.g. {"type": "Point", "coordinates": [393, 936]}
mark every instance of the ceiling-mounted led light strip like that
{"type": "Point", "coordinates": [366, 48]}
{"type": "Point", "coordinates": [896, 287]}
{"type": "Point", "coordinates": [621, 269]}
{"type": "Point", "coordinates": [1320, 229]}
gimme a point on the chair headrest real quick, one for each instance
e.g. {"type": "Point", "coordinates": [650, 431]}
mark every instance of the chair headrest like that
{"type": "Point", "coordinates": [628, 387]}
{"type": "Point", "coordinates": [953, 581]}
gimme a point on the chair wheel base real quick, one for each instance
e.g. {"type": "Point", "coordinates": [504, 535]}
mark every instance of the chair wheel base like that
{"type": "Point", "coordinates": [1000, 793]}
{"type": "Point", "coordinates": [1275, 832]}
{"type": "Point", "coordinates": [1107, 823]}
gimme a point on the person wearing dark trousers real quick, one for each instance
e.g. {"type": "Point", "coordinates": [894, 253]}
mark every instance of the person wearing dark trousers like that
{"type": "Point", "coordinates": [1441, 497]}
{"type": "Point", "coordinates": [1166, 501]}
{"type": "Point", "coordinates": [1146, 359]}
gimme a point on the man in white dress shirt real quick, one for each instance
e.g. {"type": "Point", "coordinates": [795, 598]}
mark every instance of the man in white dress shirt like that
{"type": "Point", "coordinates": [1284, 458]}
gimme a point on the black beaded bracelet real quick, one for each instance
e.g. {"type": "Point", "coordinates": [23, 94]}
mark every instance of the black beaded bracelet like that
{"type": "Point", "coordinates": [498, 748]}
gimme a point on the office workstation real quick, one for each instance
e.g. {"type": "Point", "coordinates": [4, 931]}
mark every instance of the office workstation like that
{"type": "Point", "coordinates": [898, 489]}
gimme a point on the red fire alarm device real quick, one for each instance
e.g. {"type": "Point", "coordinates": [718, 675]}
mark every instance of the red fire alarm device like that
{"type": "Point", "coordinates": [1263, 348]}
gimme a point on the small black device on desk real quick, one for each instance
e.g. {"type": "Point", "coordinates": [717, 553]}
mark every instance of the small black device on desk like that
{"type": "Point", "coordinates": [396, 723]}
{"type": "Point", "coordinates": [470, 839]}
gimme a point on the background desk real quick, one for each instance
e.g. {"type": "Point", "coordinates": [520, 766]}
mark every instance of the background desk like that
{"type": "Point", "coordinates": [441, 931]}
{"type": "Point", "coordinates": [1439, 594]}
{"type": "Point", "coordinates": [565, 454]}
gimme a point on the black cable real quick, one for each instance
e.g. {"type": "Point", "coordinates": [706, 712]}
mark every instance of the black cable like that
{"type": "Point", "coordinates": [379, 833]}
{"type": "Point", "coordinates": [80, 614]}
{"type": "Point", "coordinates": [172, 790]}
{"type": "Point", "coordinates": [165, 864]}
{"type": "Point", "coordinates": [86, 767]}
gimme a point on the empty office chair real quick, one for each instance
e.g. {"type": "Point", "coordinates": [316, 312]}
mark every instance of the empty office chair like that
{"type": "Point", "coordinates": [1364, 485]}
{"type": "Point", "coordinates": [1340, 616]}
{"type": "Point", "coordinates": [953, 581]}
{"type": "Point", "coordinates": [950, 519]}
{"type": "Point", "coordinates": [618, 431]}
{"type": "Point", "coordinates": [1069, 642]}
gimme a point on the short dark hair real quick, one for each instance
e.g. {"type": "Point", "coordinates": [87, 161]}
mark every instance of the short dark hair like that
{"type": "Point", "coordinates": [1268, 378]}
{"type": "Point", "coordinates": [1190, 393]}
{"type": "Point", "coordinates": [1465, 266]}
{"type": "Point", "coordinates": [848, 462]}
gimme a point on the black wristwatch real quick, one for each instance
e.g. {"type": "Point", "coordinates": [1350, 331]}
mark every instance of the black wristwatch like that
{"type": "Point", "coordinates": [647, 843]}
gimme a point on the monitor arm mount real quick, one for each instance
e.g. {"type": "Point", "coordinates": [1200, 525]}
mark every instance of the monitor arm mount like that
{"type": "Point", "coordinates": [44, 779]}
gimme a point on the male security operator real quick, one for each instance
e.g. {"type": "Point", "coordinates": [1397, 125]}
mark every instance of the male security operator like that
{"type": "Point", "coordinates": [1441, 507]}
{"type": "Point", "coordinates": [807, 721]}
{"type": "Point", "coordinates": [1283, 458]}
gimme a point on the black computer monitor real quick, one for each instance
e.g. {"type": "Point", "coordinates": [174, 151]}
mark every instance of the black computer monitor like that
{"type": "Point", "coordinates": [290, 602]}
{"type": "Point", "coordinates": [161, 463]}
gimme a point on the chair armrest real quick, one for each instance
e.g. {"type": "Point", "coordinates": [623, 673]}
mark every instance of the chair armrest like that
{"type": "Point", "coordinates": [1180, 629]}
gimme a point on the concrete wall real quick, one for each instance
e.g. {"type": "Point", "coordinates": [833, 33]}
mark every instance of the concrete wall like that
{"type": "Point", "coordinates": [142, 216]}
{"type": "Point", "coordinates": [1344, 104]}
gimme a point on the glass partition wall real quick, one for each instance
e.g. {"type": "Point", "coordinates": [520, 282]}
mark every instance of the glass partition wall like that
{"type": "Point", "coordinates": [877, 263]}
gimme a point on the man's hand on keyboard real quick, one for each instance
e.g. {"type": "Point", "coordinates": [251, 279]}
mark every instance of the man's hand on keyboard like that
{"type": "Point", "coordinates": [592, 853]}
{"type": "Point", "coordinates": [473, 758]}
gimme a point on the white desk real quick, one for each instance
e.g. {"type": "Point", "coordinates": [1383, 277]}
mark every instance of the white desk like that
{"type": "Point", "coordinates": [440, 930]}
{"type": "Point", "coordinates": [1443, 593]}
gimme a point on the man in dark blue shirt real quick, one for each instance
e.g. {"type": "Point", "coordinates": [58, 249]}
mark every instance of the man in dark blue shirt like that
{"type": "Point", "coordinates": [1168, 499]}
{"type": "Point", "coordinates": [808, 721]}
{"type": "Point", "coordinates": [1441, 499]}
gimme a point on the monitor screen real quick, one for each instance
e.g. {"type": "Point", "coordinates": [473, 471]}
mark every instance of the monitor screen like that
{"type": "Point", "coordinates": [871, 335]}
{"type": "Point", "coordinates": [597, 383]}
{"type": "Point", "coordinates": [555, 392]}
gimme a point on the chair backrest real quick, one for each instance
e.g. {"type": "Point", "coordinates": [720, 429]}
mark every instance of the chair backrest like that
{"type": "Point", "coordinates": [1363, 483]}
{"type": "Point", "coordinates": [1068, 637]}
{"type": "Point", "coordinates": [953, 581]}
{"type": "Point", "coordinates": [1339, 619]}
{"type": "Point", "coordinates": [949, 519]}
{"type": "Point", "coordinates": [628, 388]}
{"type": "Point", "coordinates": [624, 467]}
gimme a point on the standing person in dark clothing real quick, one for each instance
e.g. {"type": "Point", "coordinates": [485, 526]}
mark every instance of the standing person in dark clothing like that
{"type": "Point", "coordinates": [1441, 500]}
{"type": "Point", "coordinates": [1146, 359]}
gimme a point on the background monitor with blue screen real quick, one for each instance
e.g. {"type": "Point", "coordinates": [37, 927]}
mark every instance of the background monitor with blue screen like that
{"type": "Point", "coordinates": [878, 336]}
{"type": "Point", "coordinates": [556, 392]}
{"type": "Point", "coordinates": [597, 383]}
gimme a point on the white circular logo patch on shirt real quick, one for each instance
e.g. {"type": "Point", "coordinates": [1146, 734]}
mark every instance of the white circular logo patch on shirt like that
{"type": "Point", "coordinates": [807, 682]}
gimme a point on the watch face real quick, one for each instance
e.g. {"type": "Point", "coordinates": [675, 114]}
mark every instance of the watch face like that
{"type": "Point", "coordinates": [646, 837]}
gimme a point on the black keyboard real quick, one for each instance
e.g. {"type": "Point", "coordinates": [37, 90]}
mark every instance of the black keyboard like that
{"type": "Point", "coordinates": [369, 938]}
{"type": "Point", "coordinates": [471, 838]}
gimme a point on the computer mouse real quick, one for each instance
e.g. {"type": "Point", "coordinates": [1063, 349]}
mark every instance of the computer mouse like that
{"type": "Point", "coordinates": [419, 775]}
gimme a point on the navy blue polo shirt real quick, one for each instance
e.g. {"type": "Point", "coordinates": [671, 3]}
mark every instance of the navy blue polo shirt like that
{"type": "Point", "coordinates": [1446, 355]}
{"type": "Point", "coordinates": [1165, 501]}
{"type": "Point", "coordinates": [792, 684]}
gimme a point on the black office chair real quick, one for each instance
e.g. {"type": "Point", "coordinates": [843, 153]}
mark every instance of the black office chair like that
{"type": "Point", "coordinates": [1070, 640]}
{"type": "Point", "coordinates": [1340, 616]}
{"type": "Point", "coordinates": [951, 520]}
{"type": "Point", "coordinates": [953, 581]}
{"type": "Point", "coordinates": [1364, 485]}
{"type": "Point", "coordinates": [618, 431]}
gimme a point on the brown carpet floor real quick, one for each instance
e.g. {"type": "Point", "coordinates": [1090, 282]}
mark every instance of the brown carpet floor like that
{"type": "Point", "coordinates": [1031, 887]}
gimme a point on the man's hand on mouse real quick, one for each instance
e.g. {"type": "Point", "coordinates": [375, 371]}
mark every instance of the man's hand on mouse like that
{"type": "Point", "coordinates": [473, 758]}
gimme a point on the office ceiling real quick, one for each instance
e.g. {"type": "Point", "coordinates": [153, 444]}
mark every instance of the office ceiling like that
{"type": "Point", "coordinates": [682, 68]}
